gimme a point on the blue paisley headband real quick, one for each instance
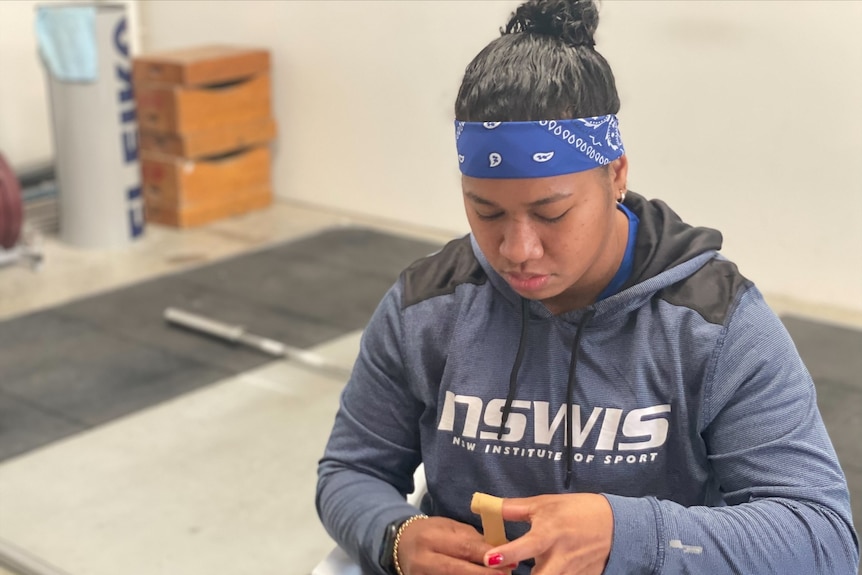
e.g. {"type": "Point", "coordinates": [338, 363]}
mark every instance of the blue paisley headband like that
{"type": "Point", "coordinates": [537, 149]}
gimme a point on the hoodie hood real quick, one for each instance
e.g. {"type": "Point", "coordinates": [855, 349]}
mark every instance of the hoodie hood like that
{"type": "Point", "coordinates": [664, 242]}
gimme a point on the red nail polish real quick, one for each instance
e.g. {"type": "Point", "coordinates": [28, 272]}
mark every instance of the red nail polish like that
{"type": "Point", "coordinates": [512, 565]}
{"type": "Point", "coordinates": [495, 559]}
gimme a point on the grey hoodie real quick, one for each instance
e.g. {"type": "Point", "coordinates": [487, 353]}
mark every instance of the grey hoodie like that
{"type": "Point", "coordinates": [691, 412]}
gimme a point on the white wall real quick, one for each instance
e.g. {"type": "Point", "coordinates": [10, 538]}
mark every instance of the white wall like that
{"type": "Point", "coordinates": [25, 118]}
{"type": "Point", "coordinates": [363, 91]}
{"type": "Point", "coordinates": [747, 116]}
{"type": "Point", "coordinates": [744, 116]}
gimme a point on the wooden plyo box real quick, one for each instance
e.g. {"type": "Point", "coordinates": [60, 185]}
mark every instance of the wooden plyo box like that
{"type": "Point", "coordinates": [175, 181]}
{"type": "Point", "coordinates": [210, 142]}
{"type": "Point", "coordinates": [205, 118]}
{"type": "Point", "coordinates": [199, 66]}
{"type": "Point", "coordinates": [179, 109]}
{"type": "Point", "coordinates": [186, 216]}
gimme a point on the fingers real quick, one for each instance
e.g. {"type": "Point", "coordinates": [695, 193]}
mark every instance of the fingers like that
{"type": "Point", "coordinates": [518, 509]}
{"type": "Point", "coordinates": [462, 541]}
{"type": "Point", "coordinates": [569, 533]}
{"type": "Point", "coordinates": [521, 549]}
{"type": "Point", "coordinates": [439, 546]}
{"type": "Point", "coordinates": [526, 547]}
{"type": "Point", "coordinates": [444, 565]}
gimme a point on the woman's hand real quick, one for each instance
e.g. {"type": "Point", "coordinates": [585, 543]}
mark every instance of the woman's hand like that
{"type": "Point", "coordinates": [440, 546]}
{"type": "Point", "coordinates": [569, 533]}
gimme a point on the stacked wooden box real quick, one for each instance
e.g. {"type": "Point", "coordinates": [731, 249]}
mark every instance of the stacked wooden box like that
{"type": "Point", "coordinates": [205, 121]}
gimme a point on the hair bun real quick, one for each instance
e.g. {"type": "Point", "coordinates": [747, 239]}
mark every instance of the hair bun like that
{"type": "Point", "coordinates": [572, 21]}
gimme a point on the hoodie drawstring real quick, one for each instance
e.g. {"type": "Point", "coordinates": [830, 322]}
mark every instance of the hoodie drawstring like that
{"type": "Point", "coordinates": [570, 386]}
{"type": "Point", "coordinates": [519, 357]}
{"type": "Point", "coordinates": [576, 348]}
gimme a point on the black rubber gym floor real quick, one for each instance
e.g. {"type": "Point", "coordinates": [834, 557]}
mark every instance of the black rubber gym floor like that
{"type": "Point", "coordinates": [70, 368]}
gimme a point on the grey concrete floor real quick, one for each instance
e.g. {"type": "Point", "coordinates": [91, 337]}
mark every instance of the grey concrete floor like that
{"type": "Point", "coordinates": [218, 479]}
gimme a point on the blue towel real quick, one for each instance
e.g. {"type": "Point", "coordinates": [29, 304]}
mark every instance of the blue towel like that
{"type": "Point", "coordinates": [67, 41]}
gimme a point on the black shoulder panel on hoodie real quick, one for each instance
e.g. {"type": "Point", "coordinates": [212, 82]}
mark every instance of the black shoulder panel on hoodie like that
{"type": "Point", "coordinates": [664, 240]}
{"type": "Point", "coordinates": [710, 291]}
{"type": "Point", "coordinates": [440, 273]}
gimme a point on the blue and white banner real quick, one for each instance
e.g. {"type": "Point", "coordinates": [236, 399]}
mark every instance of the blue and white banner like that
{"type": "Point", "coordinates": [537, 149]}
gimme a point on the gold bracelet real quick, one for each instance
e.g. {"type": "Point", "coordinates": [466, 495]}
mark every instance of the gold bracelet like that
{"type": "Point", "coordinates": [398, 540]}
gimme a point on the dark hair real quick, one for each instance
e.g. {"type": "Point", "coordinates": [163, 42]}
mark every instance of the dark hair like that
{"type": "Point", "coordinates": [542, 67]}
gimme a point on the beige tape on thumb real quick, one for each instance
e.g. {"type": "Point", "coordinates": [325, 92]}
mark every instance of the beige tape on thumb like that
{"type": "Point", "coordinates": [491, 510]}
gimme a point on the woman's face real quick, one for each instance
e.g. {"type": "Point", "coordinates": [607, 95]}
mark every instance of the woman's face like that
{"type": "Point", "coordinates": [557, 239]}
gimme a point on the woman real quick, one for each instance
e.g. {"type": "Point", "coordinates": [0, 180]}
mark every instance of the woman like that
{"type": "Point", "coordinates": [584, 354]}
